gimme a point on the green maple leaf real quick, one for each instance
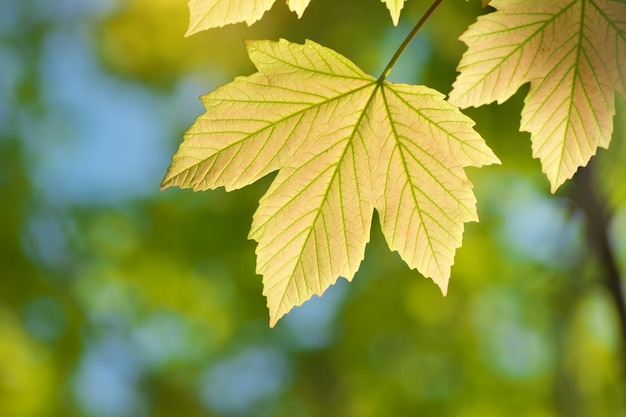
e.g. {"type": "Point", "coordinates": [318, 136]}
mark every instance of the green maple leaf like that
{"type": "Point", "coordinates": [573, 53]}
{"type": "Point", "coordinates": [207, 14]}
{"type": "Point", "coordinates": [344, 144]}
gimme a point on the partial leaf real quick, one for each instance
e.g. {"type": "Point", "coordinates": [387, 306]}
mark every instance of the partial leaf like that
{"type": "Point", "coordinates": [573, 53]}
{"type": "Point", "coordinates": [394, 6]}
{"type": "Point", "coordinates": [207, 14]}
{"type": "Point", "coordinates": [298, 6]}
{"type": "Point", "coordinates": [343, 144]}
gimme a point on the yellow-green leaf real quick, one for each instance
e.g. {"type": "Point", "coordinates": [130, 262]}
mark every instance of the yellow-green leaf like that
{"type": "Point", "coordinates": [207, 14]}
{"type": "Point", "coordinates": [394, 6]}
{"type": "Point", "coordinates": [573, 53]}
{"type": "Point", "coordinates": [344, 144]}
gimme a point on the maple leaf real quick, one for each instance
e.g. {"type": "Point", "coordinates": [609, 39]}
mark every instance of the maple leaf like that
{"type": "Point", "coordinates": [573, 53]}
{"type": "Point", "coordinates": [344, 144]}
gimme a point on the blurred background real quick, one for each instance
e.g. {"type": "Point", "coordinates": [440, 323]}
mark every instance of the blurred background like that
{"type": "Point", "coordinates": [119, 300]}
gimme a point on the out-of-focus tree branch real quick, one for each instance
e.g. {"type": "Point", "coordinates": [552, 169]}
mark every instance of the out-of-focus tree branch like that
{"type": "Point", "coordinates": [597, 218]}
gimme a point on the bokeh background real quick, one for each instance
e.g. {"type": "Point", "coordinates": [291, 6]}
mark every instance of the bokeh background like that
{"type": "Point", "coordinates": [120, 300]}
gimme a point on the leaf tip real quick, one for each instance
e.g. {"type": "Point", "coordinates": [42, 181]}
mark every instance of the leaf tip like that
{"type": "Point", "coordinates": [394, 10]}
{"type": "Point", "coordinates": [191, 30]}
{"type": "Point", "coordinates": [165, 184]}
{"type": "Point", "coordinates": [167, 180]}
{"type": "Point", "coordinates": [298, 6]}
{"type": "Point", "coordinates": [275, 315]}
{"type": "Point", "coordinates": [556, 183]}
{"type": "Point", "coordinates": [443, 286]}
{"type": "Point", "coordinates": [494, 159]}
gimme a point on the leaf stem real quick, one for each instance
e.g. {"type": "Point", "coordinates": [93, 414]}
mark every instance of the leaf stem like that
{"type": "Point", "coordinates": [408, 40]}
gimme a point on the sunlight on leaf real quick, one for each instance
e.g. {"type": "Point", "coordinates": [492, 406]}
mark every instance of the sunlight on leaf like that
{"type": "Point", "coordinates": [573, 53]}
{"type": "Point", "coordinates": [344, 145]}
{"type": "Point", "coordinates": [207, 14]}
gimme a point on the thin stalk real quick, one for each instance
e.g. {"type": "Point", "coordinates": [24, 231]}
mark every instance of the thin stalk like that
{"type": "Point", "coordinates": [408, 40]}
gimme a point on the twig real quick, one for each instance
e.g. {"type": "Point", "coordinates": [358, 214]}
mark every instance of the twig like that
{"type": "Point", "coordinates": [408, 40]}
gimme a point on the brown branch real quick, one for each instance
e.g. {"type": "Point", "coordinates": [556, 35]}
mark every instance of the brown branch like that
{"type": "Point", "coordinates": [597, 220]}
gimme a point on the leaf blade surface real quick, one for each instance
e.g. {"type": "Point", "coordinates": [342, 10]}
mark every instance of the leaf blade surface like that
{"type": "Point", "coordinates": [207, 14]}
{"type": "Point", "coordinates": [573, 54]}
{"type": "Point", "coordinates": [336, 136]}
